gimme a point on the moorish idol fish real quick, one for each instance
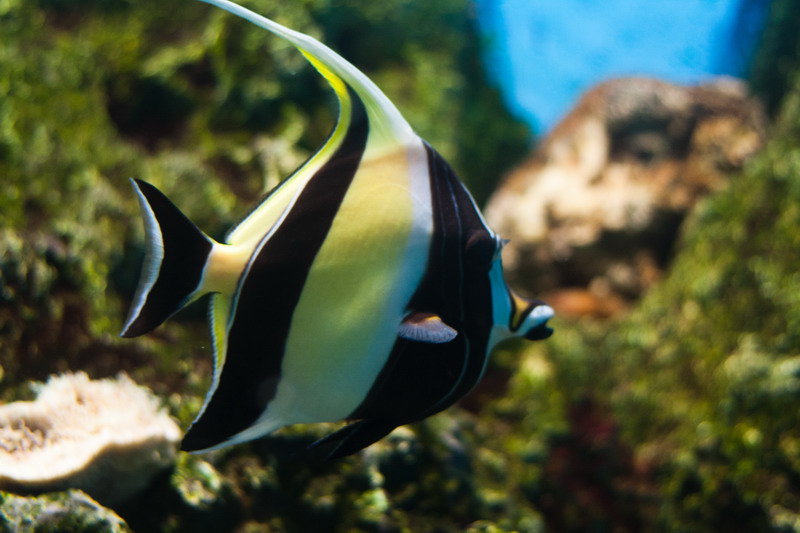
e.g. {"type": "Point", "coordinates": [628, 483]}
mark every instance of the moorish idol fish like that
{"type": "Point", "coordinates": [365, 287]}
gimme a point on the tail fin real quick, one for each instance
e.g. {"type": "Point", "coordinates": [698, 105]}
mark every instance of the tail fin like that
{"type": "Point", "coordinates": [175, 259]}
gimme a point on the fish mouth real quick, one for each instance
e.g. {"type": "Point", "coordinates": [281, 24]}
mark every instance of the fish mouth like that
{"type": "Point", "coordinates": [541, 313]}
{"type": "Point", "coordinates": [539, 333]}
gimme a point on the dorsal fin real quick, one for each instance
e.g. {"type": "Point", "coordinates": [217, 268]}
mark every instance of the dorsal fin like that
{"type": "Point", "coordinates": [387, 127]}
{"type": "Point", "coordinates": [385, 120]}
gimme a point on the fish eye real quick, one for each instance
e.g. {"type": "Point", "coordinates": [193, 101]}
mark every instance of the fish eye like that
{"type": "Point", "coordinates": [481, 250]}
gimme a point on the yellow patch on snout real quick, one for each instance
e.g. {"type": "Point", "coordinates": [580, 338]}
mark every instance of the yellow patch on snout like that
{"type": "Point", "coordinates": [519, 313]}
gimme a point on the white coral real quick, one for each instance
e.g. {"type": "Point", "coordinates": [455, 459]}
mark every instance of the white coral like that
{"type": "Point", "coordinates": [107, 437]}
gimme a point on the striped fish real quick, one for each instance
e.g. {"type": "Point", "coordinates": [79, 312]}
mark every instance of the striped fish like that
{"type": "Point", "coordinates": [365, 287]}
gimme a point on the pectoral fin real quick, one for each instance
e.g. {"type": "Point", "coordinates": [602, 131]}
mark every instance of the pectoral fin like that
{"type": "Point", "coordinates": [426, 327]}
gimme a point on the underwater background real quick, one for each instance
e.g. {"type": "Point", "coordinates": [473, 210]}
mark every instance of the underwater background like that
{"type": "Point", "coordinates": [544, 54]}
{"type": "Point", "coordinates": [675, 412]}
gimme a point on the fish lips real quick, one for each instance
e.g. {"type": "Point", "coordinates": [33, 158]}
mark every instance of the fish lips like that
{"type": "Point", "coordinates": [539, 333]}
{"type": "Point", "coordinates": [542, 331]}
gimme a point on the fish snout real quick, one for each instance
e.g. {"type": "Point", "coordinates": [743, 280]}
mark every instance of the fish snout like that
{"type": "Point", "coordinates": [535, 324]}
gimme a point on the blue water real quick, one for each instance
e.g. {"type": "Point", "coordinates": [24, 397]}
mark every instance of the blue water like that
{"type": "Point", "coordinates": [545, 53]}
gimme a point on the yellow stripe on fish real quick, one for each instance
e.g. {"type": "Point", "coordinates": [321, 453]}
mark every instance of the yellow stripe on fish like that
{"type": "Point", "coordinates": [366, 286]}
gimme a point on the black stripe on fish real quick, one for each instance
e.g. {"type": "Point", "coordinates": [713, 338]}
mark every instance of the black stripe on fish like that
{"type": "Point", "coordinates": [475, 289]}
{"type": "Point", "coordinates": [185, 252]}
{"type": "Point", "coordinates": [419, 378]}
{"type": "Point", "coordinates": [269, 293]}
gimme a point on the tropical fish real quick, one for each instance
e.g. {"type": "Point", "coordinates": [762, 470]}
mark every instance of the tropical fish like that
{"type": "Point", "coordinates": [365, 287]}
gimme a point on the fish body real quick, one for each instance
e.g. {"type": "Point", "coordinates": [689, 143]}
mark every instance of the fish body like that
{"type": "Point", "coordinates": [366, 286]}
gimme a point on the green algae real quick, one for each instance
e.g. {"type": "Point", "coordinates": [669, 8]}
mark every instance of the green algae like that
{"type": "Point", "coordinates": [57, 512]}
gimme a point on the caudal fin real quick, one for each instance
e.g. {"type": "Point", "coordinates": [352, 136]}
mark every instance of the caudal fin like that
{"type": "Point", "coordinates": [175, 258]}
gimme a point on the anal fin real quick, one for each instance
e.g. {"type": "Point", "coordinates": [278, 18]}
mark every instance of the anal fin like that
{"type": "Point", "coordinates": [354, 437]}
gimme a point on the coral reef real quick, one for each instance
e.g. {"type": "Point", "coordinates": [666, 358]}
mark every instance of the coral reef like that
{"type": "Point", "coordinates": [108, 438]}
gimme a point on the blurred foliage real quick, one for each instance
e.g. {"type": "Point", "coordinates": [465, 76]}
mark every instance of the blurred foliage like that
{"type": "Point", "coordinates": [57, 512]}
{"type": "Point", "coordinates": [423, 479]}
{"type": "Point", "coordinates": [774, 67]}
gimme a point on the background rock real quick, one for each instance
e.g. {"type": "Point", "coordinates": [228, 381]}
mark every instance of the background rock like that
{"type": "Point", "coordinates": [599, 204]}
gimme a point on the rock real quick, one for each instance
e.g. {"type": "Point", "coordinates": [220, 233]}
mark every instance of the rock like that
{"type": "Point", "coordinates": [62, 512]}
{"type": "Point", "coordinates": [599, 205]}
{"type": "Point", "coordinates": [106, 437]}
